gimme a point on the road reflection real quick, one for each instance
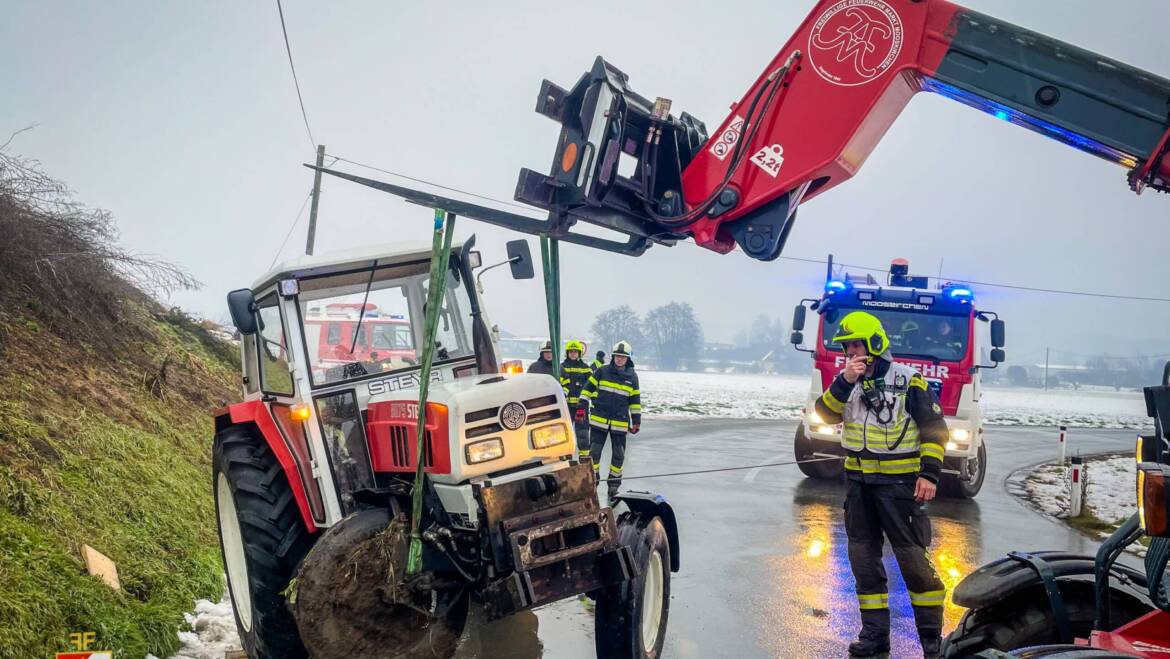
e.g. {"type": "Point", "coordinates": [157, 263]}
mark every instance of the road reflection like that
{"type": "Point", "coordinates": [813, 607]}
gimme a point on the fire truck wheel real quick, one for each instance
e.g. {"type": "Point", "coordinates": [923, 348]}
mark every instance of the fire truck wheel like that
{"type": "Point", "coordinates": [631, 617]}
{"type": "Point", "coordinates": [262, 539]}
{"type": "Point", "coordinates": [1024, 619]}
{"type": "Point", "coordinates": [823, 470]}
{"type": "Point", "coordinates": [966, 488]}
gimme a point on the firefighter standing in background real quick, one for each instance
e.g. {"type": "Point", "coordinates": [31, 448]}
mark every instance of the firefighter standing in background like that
{"type": "Point", "coordinates": [544, 363]}
{"type": "Point", "coordinates": [616, 403]}
{"type": "Point", "coordinates": [893, 438]}
{"type": "Point", "coordinates": [574, 375]}
{"type": "Point", "coordinates": [598, 361]}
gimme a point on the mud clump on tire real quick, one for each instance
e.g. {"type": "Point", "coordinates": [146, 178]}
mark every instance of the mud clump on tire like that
{"type": "Point", "coordinates": [349, 599]}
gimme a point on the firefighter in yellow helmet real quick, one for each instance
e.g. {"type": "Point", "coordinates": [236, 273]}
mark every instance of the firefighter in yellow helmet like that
{"type": "Point", "coordinates": [574, 375]}
{"type": "Point", "coordinates": [616, 400]}
{"type": "Point", "coordinates": [894, 435]}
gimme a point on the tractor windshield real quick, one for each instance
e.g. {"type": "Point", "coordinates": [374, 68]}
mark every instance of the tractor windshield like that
{"type": "Point", "coordinates": [349, 335]}
{"type": "Point", "coordinates": [930, 336]}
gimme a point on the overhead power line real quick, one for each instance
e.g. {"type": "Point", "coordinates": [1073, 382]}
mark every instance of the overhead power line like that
{"type": "Point", "coordinates": [432, 184]}
{"type": "Point", "coordinates": [1033, 289]}
{"type": "Point", "coordinates": [296, 220]}
{"type": "Point", "coordinates": [293, 68]}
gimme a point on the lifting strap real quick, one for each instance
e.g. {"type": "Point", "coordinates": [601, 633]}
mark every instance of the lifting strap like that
{"type": "Point", "coordinates": [551, 259]}
{"type": "Point", "coordinates": [1055, 599]}
{"type": "Point", "coordinates": [444, 230]}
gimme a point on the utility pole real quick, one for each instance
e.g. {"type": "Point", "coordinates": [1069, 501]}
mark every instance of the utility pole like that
{"type": "Point", "coordinates": [1045, 365]}
{"type": "Point", "coordinates": [316, 196]}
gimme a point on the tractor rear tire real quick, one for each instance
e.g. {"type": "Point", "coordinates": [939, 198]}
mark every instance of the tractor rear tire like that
{"type": "Point", "coordinates": [631, 617]}
{"type": "Point", "coordinates": [827, 470]}
{"type": "Point", "coordinates": [956, 488]}
{"type": "Point", "coordinates": [346, 591]}
{"type": "Point", "coordinates": [1067, 652]}
{"type": "Point", "coordinates": [1024, 620]}
{"type": "Point", "coordinates": [262, 540]}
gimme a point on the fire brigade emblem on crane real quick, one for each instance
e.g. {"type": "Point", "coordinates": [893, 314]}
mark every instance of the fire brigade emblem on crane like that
{"type": "Point", "coordinates": [513, 416]}
{"type": "Point", "coordinates": [855, 42]}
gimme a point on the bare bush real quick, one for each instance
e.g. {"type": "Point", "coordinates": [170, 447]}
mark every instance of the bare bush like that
{"type": "Point", "coordinates": [61, 266]}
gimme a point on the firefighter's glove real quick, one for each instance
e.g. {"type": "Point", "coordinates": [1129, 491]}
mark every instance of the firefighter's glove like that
{"type": "Point", "coordinates": [579, 415]}
{"type": "Point", "coordinates": [634, 427]}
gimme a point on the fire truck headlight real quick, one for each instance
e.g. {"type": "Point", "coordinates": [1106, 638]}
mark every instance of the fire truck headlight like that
{"type": "Point", "coordinates": [549, 436]}
{"type": "Point", "coordinates": [960, 434]}
{"type": "Point", "coordinates": [485, 451]}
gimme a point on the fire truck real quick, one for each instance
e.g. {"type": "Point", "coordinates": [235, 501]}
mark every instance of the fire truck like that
{"type": "Point", "coordinates": [344, 332]}
{"type": "Point", "coordinates": [934, 328]}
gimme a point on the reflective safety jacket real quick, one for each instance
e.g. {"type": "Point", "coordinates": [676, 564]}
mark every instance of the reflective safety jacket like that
{"type": "Point", "coordinates": [614, 397]}
{"type": "Point", "coordinates": [574, 375]}
{"type": "Point", "coordinates": [893, 425]}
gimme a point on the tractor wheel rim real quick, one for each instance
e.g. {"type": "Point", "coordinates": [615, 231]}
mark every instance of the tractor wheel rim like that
{"type": "Point", "coordinates": [234, 559]}
{"type": "Point", "coordinates": [652, 602]}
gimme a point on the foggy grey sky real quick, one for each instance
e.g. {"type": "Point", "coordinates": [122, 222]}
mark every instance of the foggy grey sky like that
{"type": "Point", "coordinates": [181, 119]}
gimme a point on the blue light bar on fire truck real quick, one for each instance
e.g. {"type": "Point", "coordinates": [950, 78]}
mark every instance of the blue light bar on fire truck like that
{"type": "Point", "coordinates": [959, 293]}
{"type": "Point", "coordinates": [835, 286]}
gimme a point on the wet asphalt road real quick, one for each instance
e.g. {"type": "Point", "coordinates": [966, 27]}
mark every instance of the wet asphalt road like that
{"type": "Point", "coordinates": [764, 570]}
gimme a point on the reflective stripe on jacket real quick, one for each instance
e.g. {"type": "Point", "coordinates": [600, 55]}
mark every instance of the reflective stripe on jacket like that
{"type": "Point", "coordinates": [574, 374]}
{"type": "Point", "coordinates": [899, 442]}
{"type": "Point", "coordinates": [614, 397]}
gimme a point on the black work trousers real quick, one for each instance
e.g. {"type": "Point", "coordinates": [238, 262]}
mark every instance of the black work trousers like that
{"type": "Point", "coordinates": [876, 510]}
{"type": "Point", "coordinates": [597, 438]}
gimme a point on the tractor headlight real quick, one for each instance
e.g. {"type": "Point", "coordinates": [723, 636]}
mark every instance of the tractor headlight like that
{"type": "Point", "coordinates": [960, 434]}
{"type": "Point", "coordinates": [1153, 507]}
{"type": "Point", "coordinates": [549, 436]}
{"type": "Point", "coordinates": [485, 451]}
{"type": "Point", "coordinates": [815, 418]}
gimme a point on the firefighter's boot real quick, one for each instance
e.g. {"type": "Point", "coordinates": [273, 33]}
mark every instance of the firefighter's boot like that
{"type": "Point", "coordinates": [874, 639]}
{"type": "Point", "coordinates": [931, 647]}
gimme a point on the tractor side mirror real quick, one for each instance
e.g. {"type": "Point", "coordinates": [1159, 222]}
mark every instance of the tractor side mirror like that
{"type": "Point", "coordinates": [242, 306]}
{"type": "Point", "coordinates": [997, 355]}
{"type": "Point", "coordinates": [798, 318]}
{"type": "Point", "coordinates": [520, 259]}
{"type": "Point", "coordinates": [997, 334]}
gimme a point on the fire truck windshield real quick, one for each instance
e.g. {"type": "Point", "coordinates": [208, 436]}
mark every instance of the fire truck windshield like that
{"type": "Point", "coordinates": [932, 336]}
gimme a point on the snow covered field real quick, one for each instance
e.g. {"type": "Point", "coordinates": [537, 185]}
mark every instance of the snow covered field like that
{"type": "Point", "coordinates": [671, 394]}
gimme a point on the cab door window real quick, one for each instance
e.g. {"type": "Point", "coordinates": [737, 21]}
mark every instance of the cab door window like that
{"type": "Point", "coordinates": [274, 375]}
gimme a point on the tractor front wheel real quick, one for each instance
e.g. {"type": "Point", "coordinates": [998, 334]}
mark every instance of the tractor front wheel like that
{"type": "Point", "coordinates": [631, 617]}
{"type": "Point", "coordinates": [262, 538]}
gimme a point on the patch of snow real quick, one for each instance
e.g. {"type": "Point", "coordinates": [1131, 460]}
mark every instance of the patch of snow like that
{"type": "Point", "coordinates": [212, 633]}
{"type": "Point", "coordinates": [1110, 491]}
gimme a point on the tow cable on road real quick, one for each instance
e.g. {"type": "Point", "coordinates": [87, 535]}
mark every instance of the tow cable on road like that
{"type": "Point", "coordinates": [712, 471]}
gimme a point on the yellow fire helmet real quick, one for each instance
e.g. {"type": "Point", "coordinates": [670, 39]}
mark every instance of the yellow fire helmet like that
{"type": "Point", "coordinates": [575, 345]}
{"type": "Point", "coordinates": [862, 326]}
